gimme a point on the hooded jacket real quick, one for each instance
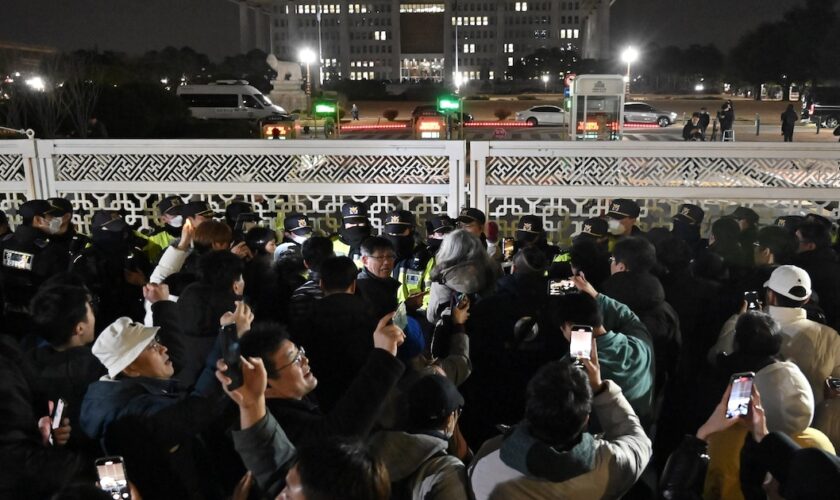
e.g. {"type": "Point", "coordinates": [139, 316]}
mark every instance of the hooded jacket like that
{"type": "Point", "coordinates": [814, 347]}
{"type": "Point", "coordinates": [421, 460]}
{"type": "Point", "coordinates": [600, 466]}
{"type": "Point", "coordinates": [789, 407]}
{"type": "Point", "coordinates": [471, 277]}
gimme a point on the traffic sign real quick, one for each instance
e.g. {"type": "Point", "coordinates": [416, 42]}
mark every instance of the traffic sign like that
{"type": "Point", "coordinates": [499, 133]}
{"type": "Point", "coordinates": [448, 104]}
{"type": "Point", "coordinates": [325, 108]}
{"type": "Point", "coordinates": [569, 79]}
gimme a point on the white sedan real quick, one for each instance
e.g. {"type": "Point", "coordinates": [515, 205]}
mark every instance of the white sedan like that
{"type": "Point", "coordinates": [543, 115]}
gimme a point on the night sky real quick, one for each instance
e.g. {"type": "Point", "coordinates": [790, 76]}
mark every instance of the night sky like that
{"type": "Point", "coordinates": [212, 26]}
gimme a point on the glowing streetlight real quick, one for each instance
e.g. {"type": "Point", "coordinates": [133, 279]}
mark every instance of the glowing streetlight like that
{"type": "Point", "coordinates": [307, 57]}
{"type": "Point", "coordinates": [545, 79]}
{"type": "Point", "coordinates": [630, 55]}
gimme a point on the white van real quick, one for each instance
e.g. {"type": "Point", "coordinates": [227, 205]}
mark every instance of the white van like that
{"type": "Point", "coordinates": [228, 100]}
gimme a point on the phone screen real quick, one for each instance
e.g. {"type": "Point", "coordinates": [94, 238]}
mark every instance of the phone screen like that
{"type": "Point", "coordinates": [739, 399]}
{"type": "Point", "coordinates": [230, 353]}
{"type": "Point", "coordinates": [58, 413]}
{"type": "Point", "coordinates": [581, 344]}
{"type": "Point", "coordinates": [561, 287]}
{"type": "Point", "coordinates": [752, 301]}
{"type": "Point", "coordinates": [112, 478]}
{"type": "Point", "coordinates": [508, 248]}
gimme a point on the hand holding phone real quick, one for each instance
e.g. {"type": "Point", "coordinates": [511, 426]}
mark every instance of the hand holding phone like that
{"type": "Point", "coordinates": [55, 418]}
{"type": "Point", "coordinates": [561, 287]}
{"type": "Point", "coordinates": [738, 404]}
{"type": "Point", "coordinates": [231, 356]}
{"type": "Point", "coordinates": [752, 301]}
{"type": "Point", "coordinates": [580, 345]}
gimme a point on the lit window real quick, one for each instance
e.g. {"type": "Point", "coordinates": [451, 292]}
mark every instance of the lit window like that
{"type": "Point", "coordinates": [521, 6]}
{"type": "Point", "coordinates": [380, 35]}
{"type": "Point", "coordinates": [484, 21]}
{"type": "Point", "coordinates": [508, 48]}
{"type": "Point", "coordinates": [469, 48]}
{"type": "Point", "coordinates": [510, 61]}
{"type": "Point", "coordinates": [576, 33]}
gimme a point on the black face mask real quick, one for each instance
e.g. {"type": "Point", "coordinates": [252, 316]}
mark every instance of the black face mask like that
{"type": "Point", "coordinates": [175, 232]}
{"type": "Point", "coordinates": [687, 233]}
{"type": "Point", "coordinates": [434, 245]}
{"type": "Point", "coordinates": [354, 236]}
{"type": "Point", "coordinates": [402, 244]}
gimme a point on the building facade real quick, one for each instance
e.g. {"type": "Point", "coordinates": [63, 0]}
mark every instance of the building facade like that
{"type": "Point", "coordinates": [437, 40]}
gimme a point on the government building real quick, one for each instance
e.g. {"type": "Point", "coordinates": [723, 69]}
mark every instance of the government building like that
{"type": "Point", "coordinates": [416, 40]}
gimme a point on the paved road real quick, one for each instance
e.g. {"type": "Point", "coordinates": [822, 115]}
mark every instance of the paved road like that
{"type": "Point", "coordinates": [743, 133]}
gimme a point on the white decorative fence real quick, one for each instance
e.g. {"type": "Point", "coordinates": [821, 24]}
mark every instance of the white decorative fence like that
{"type": "Point", "coordinates": [564, 182]}
{"type": "Point", "coordinates": [314, 177]}
{"type": "Point", "coordinates": [567, 182]}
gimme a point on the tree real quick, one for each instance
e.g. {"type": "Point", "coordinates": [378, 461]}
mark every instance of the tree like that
{"type": "Point", "coordinates": [251, 67]}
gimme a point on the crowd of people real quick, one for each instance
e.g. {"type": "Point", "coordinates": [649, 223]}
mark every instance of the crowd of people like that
{"type": "Point", "coordinates": [223, 356]}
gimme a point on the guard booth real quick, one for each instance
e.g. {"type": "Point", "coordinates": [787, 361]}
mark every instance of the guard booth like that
{"type": "Point", "coordinates": [279, 130]}
{"type": "Point", "coordinates": [597, 108]}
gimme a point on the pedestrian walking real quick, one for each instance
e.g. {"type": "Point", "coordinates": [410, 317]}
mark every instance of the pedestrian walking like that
{"type": "Point", "coordinates": [354, 111]}
{"type": "Point", "coordinates": [789, 119]}
{"type": "Point", "coordinates": [726, 117]}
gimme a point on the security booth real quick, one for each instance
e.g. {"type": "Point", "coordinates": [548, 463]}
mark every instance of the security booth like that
{"type": "Point", "coordinates": [597, 108]}
{"type": "Point", "coordinates": [430, 127]}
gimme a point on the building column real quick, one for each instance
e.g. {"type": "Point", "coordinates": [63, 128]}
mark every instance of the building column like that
{"type": "Point", "coordinates": [603, 28]}
{"type": "Point", "coordinates": [396, 43]}
{"type": "Point", "coordinates": [260, 30]}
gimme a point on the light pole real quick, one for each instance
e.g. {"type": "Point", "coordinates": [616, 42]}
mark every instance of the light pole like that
{"type": "Point", "coordinates": [630, 55]}
{"type": "Point", "coordinates": [545, 83]}
{"type": "Point", "coordinates": [307, 57]}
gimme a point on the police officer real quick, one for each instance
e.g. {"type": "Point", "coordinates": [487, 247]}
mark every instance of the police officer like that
{"type": "Point", "coordinates": [399, 228]}
{"type": "Point", "coordinates": [790, 222]}
{"type": "Point", "coordinates": [355, 228]}
{"type": "Point", "coordinates": [114, 268]}
{"type": "Point", "coordinates": [686, 226]}
{"type": "Point", "coordinates": [4, 225]}
{"type": "Point", "coordinates": [296, 229]}
{"type": "Point", "coordinates": [622, 217]}
{"type": "Point", "coordinates": [68, 238]}
{"type": "Point", "coordinates": [28, 258]}
{"type": "Point", "coordinates": [241, 217]}
{"type": "Point", "coordinates": [595, 229]}
{"type": "Point", "coordinates": [169, 210]}
{"type": "Point", "coordinates": [531, 234]}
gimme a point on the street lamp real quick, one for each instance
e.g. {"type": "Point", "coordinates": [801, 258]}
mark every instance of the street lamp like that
{"type": "Point", "coordinates": [307, 57]}
{"type": "Point", "coordinates": [630, 55]}
{"type": "Point", "coordinates": [545, 83]}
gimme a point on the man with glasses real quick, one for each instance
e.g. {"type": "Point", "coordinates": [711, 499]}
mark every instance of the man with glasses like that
{"type": "Point", "coordinates": [291, 383]}
{"type": "Point", "coordinates": [374, 282]}
{"type": "Point", "coordinates": [139, 382]}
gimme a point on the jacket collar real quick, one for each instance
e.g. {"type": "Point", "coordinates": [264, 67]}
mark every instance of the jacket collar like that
{"type": "Point", "coordinates": [787, 315]}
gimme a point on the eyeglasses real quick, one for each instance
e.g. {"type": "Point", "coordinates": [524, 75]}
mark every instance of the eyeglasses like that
{"type": "Point", "coordinates": [298, 360]}
{"type": "Point", "coordinates": [154, 344]}
{"type": "Point", "coordinates": [383, 257]}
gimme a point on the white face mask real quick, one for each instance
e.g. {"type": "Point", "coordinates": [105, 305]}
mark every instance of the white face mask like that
{"type": "Point", "coordinates": [299, 239]}
{"type": "Point", "coordinates": [177, 221]}
{"type": "Point", "coordinates": [615, 227]}
{"type": "Point", "coordinates": [54, 225]}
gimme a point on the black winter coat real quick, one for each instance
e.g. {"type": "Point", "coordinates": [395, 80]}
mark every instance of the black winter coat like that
{"type": "Point", "coordinates": [824, 269]}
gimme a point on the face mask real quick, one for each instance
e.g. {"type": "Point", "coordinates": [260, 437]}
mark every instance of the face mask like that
{"type": "Point", "coordinates": [402, 244]}
{"type": "Point", "coordinates": [354, 236]}
{"type": "Point", "coordinates": [434, 244]}
{"type": "Point", "coordinates": [615, 226]}
{"type": "Point", "coordinates": [111, 241]}
{"type": "Point", "coordinates": [299, 239]}
{"type": "Point", "coordinates": [54, 225]}
{"type": "Point", "coordinates": [177, 221]}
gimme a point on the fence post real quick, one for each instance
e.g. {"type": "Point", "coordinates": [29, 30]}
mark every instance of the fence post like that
{"type": "Point", "coordinates": [757, 123]}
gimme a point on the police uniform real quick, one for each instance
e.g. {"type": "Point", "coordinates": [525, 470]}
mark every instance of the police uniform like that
{"type": "Point", "coordinates": [408, 270]}
{"type": "Point", "coordinates": [350, 212]}
{"type": "Point", "coordinates": [440, 224]}
{"type": "Point", "coordinates": [71, 242]}
{"type": "Point", "coordinates": [28, 259]}
{"type": "Point", "coordinates": [159, 241]}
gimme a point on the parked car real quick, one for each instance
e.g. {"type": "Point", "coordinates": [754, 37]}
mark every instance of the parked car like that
{"type": "Point", "coordinates": [822, 105]}
{"type": "Point", "coordinates": [640, 112]}
{"type": "Point", "coordinates": [543, 115]}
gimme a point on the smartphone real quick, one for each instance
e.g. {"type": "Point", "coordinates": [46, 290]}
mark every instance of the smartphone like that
{"type": "Point", "coordinates": [230, 353]}
{"type": "Point", "coordinates": [832, 386]}
{"type": "Point", "coordinates": [508, 248]}
{"type": "Point", "coordinates": [739, 399]}
{"type": "Point", "coordinates": [561, 287]}
{"type": "Point", "coordinates": [58, 414]}
{"type": "Point", "coordinates": [751, 298]}
{"type": "Point", "coordinates": [581, 345]}
{"type": "Point", "coordinates": [112, 478]}
{"type": "Point", "coordinates": [400, 318]}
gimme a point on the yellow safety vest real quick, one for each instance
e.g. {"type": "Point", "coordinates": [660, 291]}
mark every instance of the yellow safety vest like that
{"type": "Point", "coordinates": [342, 249]}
